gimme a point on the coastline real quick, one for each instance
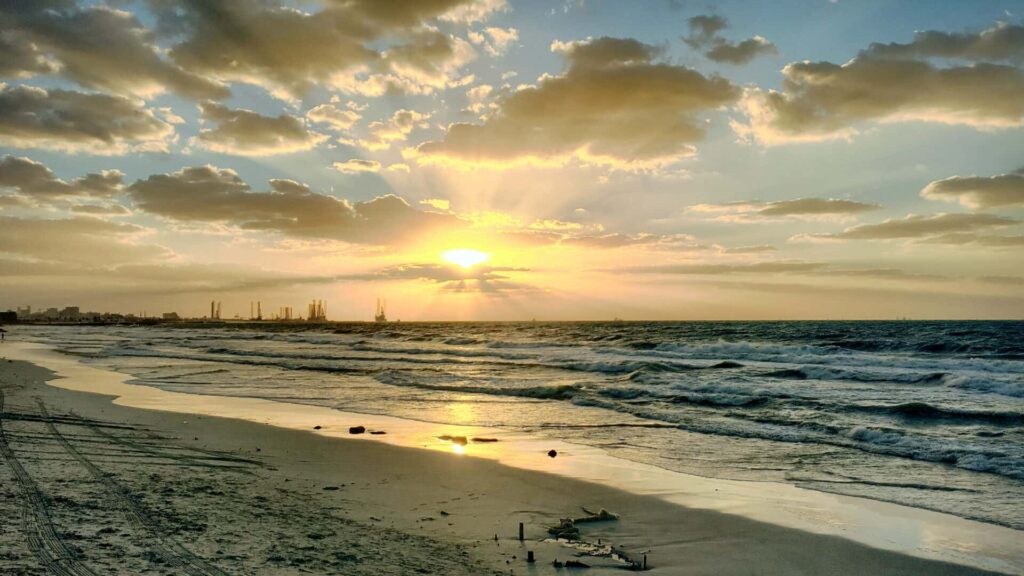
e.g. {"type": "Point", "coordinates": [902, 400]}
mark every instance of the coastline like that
{"type": "Point", "coordinates": [719, 530]}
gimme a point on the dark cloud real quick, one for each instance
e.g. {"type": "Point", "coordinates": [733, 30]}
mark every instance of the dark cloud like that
{"type": "Point", "coordinates": [210, 194]}
{"type": "Point", "coordinates": [1003, 280]}
{"type": "Point", "coordinates": [247, 133]}
{"type": "Point", "coordinates": [1001, 42]}
{"type": "Point", "coordinates": [916, 226]}
{"type": "Point", "coordinates": [96, 46]}
{"type": "Point", "coordinates": [29, 178]}
{"type": "Point", "coordinates": [101, 210]}
{"type": "Point", "coordinates": [77, 241]}
{"type": "Point", "coordinates": [971, 239]}
{"type": "Point", "coordinates": [289, 51]}
{"type": "Point", "coordinates": [482, 279]}
{"type": "Point", "coordinates": [717, 269]}
{"type": "Point", "coordinates": [620, 240]}
{"type": "Point", "coordinates": [979, 191]}
{"type": "Point", "coordinates": [78, 122]}
{"type": "Point", "coordinates": [812, 206]}
{"type": "Point", "coordinates": [614, 104]}
{"type": "Point", "coordinates": [755, 211]}
{"type": "Point", "coordinates": [704, 37]}
{"type": "Point", "coordinates": [759, 249]}
{"type": "Point", "coordinates": [883, 274]}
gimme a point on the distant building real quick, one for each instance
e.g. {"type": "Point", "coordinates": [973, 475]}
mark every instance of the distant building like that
{"type": "Point", "coordinates": [70, 314]}
{"type": "Point", "coordinates": [8, 316]}
{"type": "Point", "coordinates": [171, 316]}
{"type": "Point", "coordinates": [25, 312]}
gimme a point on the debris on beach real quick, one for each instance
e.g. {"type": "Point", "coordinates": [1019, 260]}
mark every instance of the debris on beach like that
{"type": "Point", "coordinates": [566, 529]}
{"type": "Point", "coordinates": [483, 440]}
{"type": "Point", "coordinates": [330, 488]}
{"type": "Point", "coordinates": [357, 430]}
{"type": "Point", "coordinates": [460, 440]}
{"type": "Point", "coordinates": [377, 432]}
{"type": "Point", "coordinates": [575, 564]}
{"type": "Point", "coordinates": [317, 427]}
{"type": "Point", "coordinates": [596, 517]}
{"type": "Point", "coordinates": [552, 453]}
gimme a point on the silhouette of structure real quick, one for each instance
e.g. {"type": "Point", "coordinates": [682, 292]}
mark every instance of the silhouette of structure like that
{"type": "Point", "coordinates": [214, 310]}
{"type": "Point", "coordinates": [317, 311]}
{"type": "Point", "coordinates": [381, 314]}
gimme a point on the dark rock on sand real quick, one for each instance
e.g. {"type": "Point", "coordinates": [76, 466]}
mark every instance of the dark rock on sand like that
{"type": "Point", "coordinates": [552, 453]}
{"type": "Point", "coordinates": [357, 430]}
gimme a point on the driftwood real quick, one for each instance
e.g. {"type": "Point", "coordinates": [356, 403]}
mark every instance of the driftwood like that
{"type": "Point", "coordinates": [568, 530]}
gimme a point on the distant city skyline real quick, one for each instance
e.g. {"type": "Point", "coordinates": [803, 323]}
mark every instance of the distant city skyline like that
{"type": "Point", "coordinates": [510, 160]}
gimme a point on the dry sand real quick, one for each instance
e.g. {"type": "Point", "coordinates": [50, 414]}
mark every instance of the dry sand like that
{"type": "Point", "coordinates": [90, 487]}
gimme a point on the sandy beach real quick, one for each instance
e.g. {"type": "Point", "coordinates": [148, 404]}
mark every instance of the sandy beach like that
{"type": "Point", "coordinates": [92, 487]}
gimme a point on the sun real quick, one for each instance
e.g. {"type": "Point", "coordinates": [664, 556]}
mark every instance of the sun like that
{"type": "Point", "coordinates": [465, 257]}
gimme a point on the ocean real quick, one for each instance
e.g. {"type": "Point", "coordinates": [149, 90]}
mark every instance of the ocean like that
{"type": "Point", "coordinates": [926, 414]}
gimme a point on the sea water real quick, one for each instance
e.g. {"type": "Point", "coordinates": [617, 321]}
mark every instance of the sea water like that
{"type": "Point", "coordinates": [926, 414]}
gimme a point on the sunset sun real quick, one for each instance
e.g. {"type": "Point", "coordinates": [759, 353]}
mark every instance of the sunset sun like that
{"type": "Point", "coordinates": [465, 257]}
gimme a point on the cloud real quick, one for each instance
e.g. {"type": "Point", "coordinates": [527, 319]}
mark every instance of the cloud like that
{"type": "Point", "coordinates": [917, 226]}
{"type": "Point", "coordinates": [806, 208]}
{"type": "Point", "coordinates": [1001, 42]}
{"type": "Point", "coordinates": [77, 241]}
{"type": "Point", "coordinates": [396, 129]}
{"type": "Point", "coordinates": [97, 46]}
{"type": "Point", "coordinates": [288, 51]}
{"type": "Point", "coordinates": [335, 117]}
{"type": "Point", "coordinates": [437, 204]}
{"type": "Point", "coordinates": [613, 105]}
{"type": "Point", "coordinates": [29, 178]}
{"type": "Point", "coordinates": [357, 166]}
{"type": "Point", "coordinates": [704, 37]}
{"type": "Point", "coordinates": [211, 194]}
{"type": "Point", "coordinates": [619, 240]}
{"type": "Point", "coordinates": [78, 122]}
{"type": "Point", "coordinates": [826, 101]}
{"type": "Point", "coordinates": [246, 133]}
{"type": "Point", "coordinates": [101, 210]}
{"type": "Point", "coordinates": [979, 191]}
{"type": "Point", "coordinates": [718, 269]}
{"type": "Point", "coordinates": [969, 238]}
{"type": "Point", "coordinates": [430, 60]}
{"type": "Point", "coordinates": [496, 41]}
{"type": "Point", "coordinates": [815, 206]}
{"type": "Point", "coordinates": [482, 279]}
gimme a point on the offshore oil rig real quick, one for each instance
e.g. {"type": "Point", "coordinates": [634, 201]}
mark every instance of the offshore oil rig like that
{"type": "Point", "coordinates": [380, 315]}
{"type": "Point", "coordinates": [317, 311]}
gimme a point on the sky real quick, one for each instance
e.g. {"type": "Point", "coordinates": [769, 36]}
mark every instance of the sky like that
{"type": "Point", "coordinates": [513, 159]}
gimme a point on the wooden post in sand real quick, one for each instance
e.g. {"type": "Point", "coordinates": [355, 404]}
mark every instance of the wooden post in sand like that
{"type": "Point", "coordinates": [645, 561]}
{"type": "Point", "coordinates": [520, 531]}
{"type": "Point", "coordinates": [529, 556]}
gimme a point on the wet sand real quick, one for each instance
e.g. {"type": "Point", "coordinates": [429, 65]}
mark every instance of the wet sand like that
{"type": "Point", "coordinates": [92, 487]}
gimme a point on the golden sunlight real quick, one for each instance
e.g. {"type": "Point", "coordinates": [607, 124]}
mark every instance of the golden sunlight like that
{"type": "Point", "coordinates": [466, 258]}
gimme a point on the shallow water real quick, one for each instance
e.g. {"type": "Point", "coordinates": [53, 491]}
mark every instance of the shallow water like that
{"type": "Point", "coordinates": [928, 414]}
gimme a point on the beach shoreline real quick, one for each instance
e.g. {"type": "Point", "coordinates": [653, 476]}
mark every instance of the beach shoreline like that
{"type": "Point", "coordinates": [401, 487]}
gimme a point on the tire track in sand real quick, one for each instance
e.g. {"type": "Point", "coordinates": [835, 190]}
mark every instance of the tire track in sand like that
{"type": "Point", "coordinates": [43, 540]}
{"type": "Point", "coordinates": [169, 550]}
